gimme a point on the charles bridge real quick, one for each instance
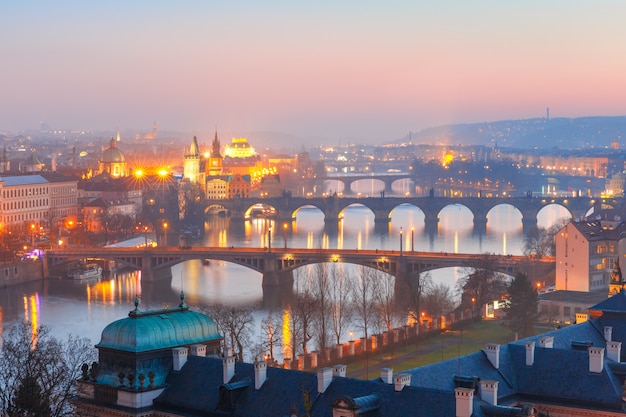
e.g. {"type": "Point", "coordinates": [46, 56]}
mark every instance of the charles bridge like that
{"type": "Point", "coordinates": [277, 264]}
{"type": "Point", "coordinates": [286, 207]}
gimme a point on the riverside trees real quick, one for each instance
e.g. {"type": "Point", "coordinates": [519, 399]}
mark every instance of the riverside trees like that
{"type": "Point", "coordinates": [38, 371]}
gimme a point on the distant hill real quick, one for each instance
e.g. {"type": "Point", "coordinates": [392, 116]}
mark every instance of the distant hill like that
{"type": "Point", "coordinates": [565, 133]}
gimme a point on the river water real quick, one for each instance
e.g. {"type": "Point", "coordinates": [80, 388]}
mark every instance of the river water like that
{"type": "Point", "coordinates": [85, 308]}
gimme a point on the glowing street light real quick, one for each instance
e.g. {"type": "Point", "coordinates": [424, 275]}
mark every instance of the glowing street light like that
{"type": "Point", "coordinates": [285, 234]}
{"type": "Point", "coordinates": [269, 239]}
{"type": "Point", "coordinates": [164, 233]}
{"type": "Point", "coordinates": [400, 241]}
{"type": "Point", "coordinates": [412, 239]}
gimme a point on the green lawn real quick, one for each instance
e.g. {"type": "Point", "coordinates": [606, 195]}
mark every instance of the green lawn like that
{"type": "Point", "coordinates": [448, 345]}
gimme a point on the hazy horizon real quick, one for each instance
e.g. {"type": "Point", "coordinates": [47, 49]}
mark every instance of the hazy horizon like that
{"type": "Point", "coordinates": [363, 72]}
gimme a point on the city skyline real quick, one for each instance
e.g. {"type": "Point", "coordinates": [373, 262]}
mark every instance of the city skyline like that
{"type": "Point", "coordinates": [365, 72]}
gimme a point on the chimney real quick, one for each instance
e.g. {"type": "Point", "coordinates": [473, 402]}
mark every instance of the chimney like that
{"type": "Point", "coordinates": [324, 377]}
{"type": "Point", "coordinates": [228, 364]}
{"type": "Point", "coordinates": [546, 342]}
{"type": "Point", "coordinates": [179, 355]}
{"type": "Point", "coordinates": [614, 350]}
{"type": "Point", "coordinates": [400, 381]}
{"type": "Point", "coordinates": [198, 350]}
{"type": "Point", "coordinates": [530, 353]}
{"type": "Point", "coordinates": [489, 392]}
{"type": "Point", "coordinates": [596, 359]}
{"type": "Point", "coordinates": [608, 333]}
{"type": "Point", "coordinates": [464, 402]}
{"type": "Point", "coordinates": [386, 374]}
{"type": "Point", "coordinates": [260, 372]}
{"type": "Point", "coordinates": [492, 350]}
{"type": "Point", "coordinates": [339, 370]}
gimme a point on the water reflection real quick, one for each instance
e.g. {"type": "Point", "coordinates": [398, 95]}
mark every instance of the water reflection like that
{"type": "Point", "coordinates": [84, 308]}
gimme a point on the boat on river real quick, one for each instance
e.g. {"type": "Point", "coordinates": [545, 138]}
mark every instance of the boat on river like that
{"type": "Point", "coordinates": [85, 272]}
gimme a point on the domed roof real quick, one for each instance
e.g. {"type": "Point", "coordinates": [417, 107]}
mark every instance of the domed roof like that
{"type": "Point", "coordinates": [112, 154]}
{"type": "Point", "coordinates": [158, 329]}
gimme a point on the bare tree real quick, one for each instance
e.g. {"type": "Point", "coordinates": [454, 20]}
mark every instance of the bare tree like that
{"type": "Point", "coordinates": [363, 290]}
{"type": "Point", "coordinates": [389, 313]}
{"type": "Point", "coordinates": [541, 242]}
{"type": "Point", "coordinates": [418, 285]}
{"type": "Point", "coordinates": [301, 310]}
{"type": "Point", "coordinates": [38, 372]}
{"type": "Point", "coordinates": [340, 308]}
{"type": "Point", "coordinates": [483, 283]}
{"type": "Point", "coordinates": [320, 282]}
{"type": "Point", "coordinates": [438, 300]}
{"type": "Point", "coordinates": [235, 324]}
{"type": "Point", "coordinates": [270, 335]}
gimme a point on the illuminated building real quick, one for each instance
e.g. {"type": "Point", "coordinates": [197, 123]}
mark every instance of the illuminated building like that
{"type": "Point", "coordinates": [36, 199]}
{"type": "Point", "coordinates": [113, 161]}
{"type": "Point", "coordinates": [191, 167]}
{"type": "Point", "coordinates": [215, 162]}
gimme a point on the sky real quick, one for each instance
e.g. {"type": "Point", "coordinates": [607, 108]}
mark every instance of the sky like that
{"type": "Point", "coordinates": [328, 70]}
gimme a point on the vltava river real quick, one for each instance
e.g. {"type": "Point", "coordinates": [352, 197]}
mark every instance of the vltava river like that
{"type": "Point", "coordinates": [85, 308]}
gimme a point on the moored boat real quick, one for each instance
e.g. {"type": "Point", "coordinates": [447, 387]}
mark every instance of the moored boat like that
{"type": "Point", "coordinates": [85, 272]}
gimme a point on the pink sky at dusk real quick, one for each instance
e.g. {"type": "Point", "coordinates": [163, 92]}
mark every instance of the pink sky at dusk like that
{"type": "Point", "coordinates": [367, 71]}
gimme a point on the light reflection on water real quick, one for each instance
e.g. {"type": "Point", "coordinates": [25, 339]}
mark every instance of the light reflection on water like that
{"type": "Point", "coordinates": [84, 308]}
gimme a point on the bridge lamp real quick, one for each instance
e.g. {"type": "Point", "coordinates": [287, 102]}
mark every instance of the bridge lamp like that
{"type": "Point", "coordinates": [335, 258]}
{"type": "Point", "coordinates": [164, 233]}
{"type": "Point", "coordinates": [400, 241]}
{"type": "Point", "coordinates": [412, 239]}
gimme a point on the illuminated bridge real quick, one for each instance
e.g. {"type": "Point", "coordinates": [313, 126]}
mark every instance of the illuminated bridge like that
{"type": "Point", "coordinates": [277, 264]}
{"type": "Point", "coordinates": [286, 208]}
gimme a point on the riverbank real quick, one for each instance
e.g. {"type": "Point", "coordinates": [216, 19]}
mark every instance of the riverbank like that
{"type": "Point", "coordinates": [20, 272]}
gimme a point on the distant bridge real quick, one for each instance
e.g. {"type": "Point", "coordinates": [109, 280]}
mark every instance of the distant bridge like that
{"type": "Point", "coordinates": [287, 207]}
{"type": "Point", "coordinates": [277, 264]}
{"type": "Point", "coordinates": [386, 179]}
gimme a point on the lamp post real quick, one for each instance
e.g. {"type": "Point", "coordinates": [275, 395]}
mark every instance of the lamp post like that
{"type": "Point", "coordinates": [400, 241]}
{"type": "Point", "coordinates": [412, 239]}
{"type": "Point", "coordinates": [269, 239]}
{"type": "Point", "coordinates": [285, 234]}
{"type": "Point", "coordinates": [32, 235]}
{"type": "Point", "coordinates": [164, 233]}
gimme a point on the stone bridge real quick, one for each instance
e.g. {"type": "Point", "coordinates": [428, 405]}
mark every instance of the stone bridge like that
{"type": "Point", "coordinates": [277, 264]}
{"type": "Point", "coordinates": [286, 208]}
{"type": "Point", "coordinates": [386, 179]}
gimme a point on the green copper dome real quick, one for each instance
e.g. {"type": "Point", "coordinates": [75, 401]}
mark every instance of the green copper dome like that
{"type": "Point", "coordinates": [158, 329]}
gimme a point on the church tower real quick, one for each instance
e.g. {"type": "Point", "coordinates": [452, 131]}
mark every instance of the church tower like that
{"type": "Point", "coordinates": [214, 165]}
{"type": "Point", "coordinates": [191, 165]}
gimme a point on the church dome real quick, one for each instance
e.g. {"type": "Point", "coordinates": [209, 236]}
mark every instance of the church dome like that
{"type": "Point", "coordinates": [112, 154]}
{"type": "Point", "coordinates": [158, 329]}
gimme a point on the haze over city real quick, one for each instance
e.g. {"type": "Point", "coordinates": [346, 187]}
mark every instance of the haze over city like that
{"type": "Point", "coordinates": [366, 72]}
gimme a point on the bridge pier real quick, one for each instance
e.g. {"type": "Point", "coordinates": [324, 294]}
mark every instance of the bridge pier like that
{"type": "Point", "coordinates": [529, 224]}
{"type": "Point", "coordinates": [480, 224]}
{"type": "Point", "coordinates": [431, 222]}
{"type": "Point", "coordinates": [149, 274]}
{"type": "Point", "coordinates": [278, 278]}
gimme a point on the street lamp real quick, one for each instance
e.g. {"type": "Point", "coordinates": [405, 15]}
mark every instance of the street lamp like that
{"type": "Point", "coordinates": [285, 234]}
{"type": "Point", "coordinates": [32, 235]}
{"type": "Point", "coordinates": [269, 239]}
{"type": "Point", "coordinates": [400, 241]}
{"type": "Point", "coordinates": [412, 239]}
{"type": "Point", "coordinates": [164, 233]}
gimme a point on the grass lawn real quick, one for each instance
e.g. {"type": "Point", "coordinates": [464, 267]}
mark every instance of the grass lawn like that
{"type": "Point", "coordinates": [449, 345]}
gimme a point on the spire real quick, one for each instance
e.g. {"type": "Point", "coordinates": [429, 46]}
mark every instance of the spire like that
{"type": "Point", "coordinates": [193, 149]}
{"type": "Point", "coordinates": [215, 151]}
{"type": "Point", "coordinates": [112, 143]}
